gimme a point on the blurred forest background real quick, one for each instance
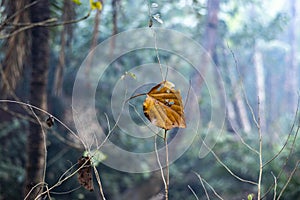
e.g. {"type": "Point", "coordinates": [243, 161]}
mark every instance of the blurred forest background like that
{"type": "Point", "coordinates": [255, 45]}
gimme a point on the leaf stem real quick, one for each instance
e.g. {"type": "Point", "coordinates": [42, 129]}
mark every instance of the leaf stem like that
{"type": "Point", "coordinates": [160, 166]}
{"type": "Point", "coordinates": [167, 166]}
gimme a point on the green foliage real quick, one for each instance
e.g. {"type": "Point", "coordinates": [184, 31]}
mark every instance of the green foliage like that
{"type": "Point", "coordinates": [95, 5]}
{"type": "Point", "coordinates": [12, 158]}
{"type": "Point", "coordinates": [78, 2]}
{"type": "Point", "coordinates": [97, 158]}
{"type": "Point", "coordinates": [250, 196]}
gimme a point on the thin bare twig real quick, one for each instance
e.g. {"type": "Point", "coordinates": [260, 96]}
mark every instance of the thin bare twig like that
{"type": "Point", "coordinates": [287, 158]}
{"type": "Point", "coordinates": [285, 163]}
{"type": "Point", "coordinates": [67, 171]}
{"type": "Point", "coordinates": [115, 125]}
{"type": "Point", "coordinates": [99, 182]}
{"type": "Point", "coordinates": [157, 55]}
{"type": "Point", "coordinates": [110, 130]}
{"type": "Point", "coordinates": [66, 141]}
{"type": "Point", "coordinates": [188, 94]}
{"type": "Point", "coordinates": [227, 169]}
{"type": "Point", "coordinates": [33, 188]}
{"type": "Point", "coordinates": [243, 89]}
{"type": "Point", "coordinates": [247, 102]}
{"type": "Point", "coordinates": [160, 166]}
{"type": "Point", "coordinates": [155, 40]}
{"type": "Point", "coordinates": [289, 179]}
{"type": "Point", "coordinates": [289, 135]}
{"type": "Point", "coordinates": [200, 178]}
{"type": "Point", "coordinates": [230, 172]}
{"type": "Point", "coordinates": [63, 178]}
{"type": "Point", "coordinates": [66, 192]}
{"type": "Point", "coordinates": [53, 132]}
{"type": "Point", "coordinates": [244, 143]}
{"type": "Point", "coordinates": [48, 192]}
{"type": "Point", "coordinates": [202, 184]}
{"type": "Point", "coordinates": [141, 118]}
{"type": "Point", "coordinates": [191, 189]}
{"type": "Point", "coordinates": [31, 107]}
{"type": "Point", "coordinates": [30, 119]}
{"type": "Point", "coordinates": [43, 111]}
{"type": "Point", "coordinates": [275, 187]}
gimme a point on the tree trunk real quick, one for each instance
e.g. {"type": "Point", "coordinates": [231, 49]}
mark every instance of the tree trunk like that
{"type": "Point", "coordinates": [65, 38]}
{"type": "Point", "coordinates": [242, 109]}
{"type": "Point", "coordinates": [38, 97]}
{"type": "Point", "coordinates": [292, 74]}
{"type": "Point", "coordinates": [58, 80]}
{"type": "Point", "coordinates": [114, 5]}
{"type": "Point", "coordinates": [260, 86]}
{"type": "Point", "coordinates": [15, 58]}
{"type": "Point", "coordinates": [213, 7]}
{"type": "Point", "coordinates": [94, 41]}
{"type": "Point", "coordinates": [114, 16]}
{"type": "Point", "coordinates": [209, 42]}
{"type": "Point", "coordinates": [239, 115]}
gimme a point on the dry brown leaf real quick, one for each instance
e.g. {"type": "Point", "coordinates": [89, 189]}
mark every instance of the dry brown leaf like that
{"type": "Point", "coordinates": [85, 177]}
{"type": "Point", "coordinates": [163, 106]}
{"type": "Point", "coordinates": [50, 121]}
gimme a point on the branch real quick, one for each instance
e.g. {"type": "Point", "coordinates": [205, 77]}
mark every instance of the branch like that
{"type": "Point", "coordinates": [46, 23]}
{"type": "Point", "coordinates": [288, 157]}
{"type": "Point", "coordinates": [289, 135]}
{"type": "Point", "coordinates": [200, 178]}
{"type": "Point", "coordinates": [160, 166]}
{"type": "Point", "coordinates": [43, 111]}
{"type": "Point", "coordinates": [289, 179]}
{"type": "Point", "coordinates": [275, 187]}
{"type": "Point", "coordinates": [37, 185]}
{"type": "Point", "coordinates": [61, 179]}
{"type": "Point", "coordinates": [5, 22]}
{"type": "Point", "coordinates": [203, 180]}
{"type": "Point", "coordinates": [195, 195]}
{"type": "Point", "coordinates": [99, 182]}
{"type": "Point", "coordinates": [31, 25]}
{"type": "Point", "coordinates": [243, 89]}
{"type": "Point", "coordinates": [225, 166]}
